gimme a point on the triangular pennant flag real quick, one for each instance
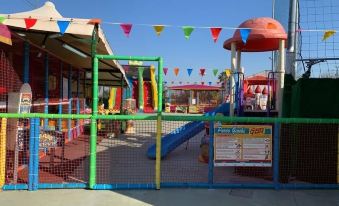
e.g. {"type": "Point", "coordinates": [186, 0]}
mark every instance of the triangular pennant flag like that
{"type": "Point", "coordinates": [165, 71]}
{"type": "Point", "coordinates": [210, 83]}
{"type": "Point", "coordinates": [172, 82]}
{"type": "Point", "coordinates": [63, 25]}
{"type": "Point", "coordinates": [176, 71]}
{"type": "Point", "coordinates": [215, 33]}
{"type": "Point", "coordinates": [5, 35]}
{"type": "Point", "coordinates": [158, 29]}
{"type": "Point", "coordinates": [244, 33]}
{"type": "Point", "coordinates": [228, 73]}
{"type": "Point", "coordinates": [215, 72]}
{"type": "Point", "coordinates": [202, 83]}
{"type": "Point", "coordinates": [165, 82]}
{"type": "Point", "coordinates": [189, 71]}
{"type": "Point", "coordinates": [195, 82]}
{"type": "Point", "coordinates": [2, 19]}
{"type": "Point", "coordinates": [30, 22]}
{"type": "Point", "coordinates": [180, 82]}
{"type": "Point", "coordinates": [187, 82]}
{"type": "Point", "coordinates": [187, 31]}
{"type": "Point", "coordinates": [328, 34]}
{"type": "Point", "coordinates": [126, 28]}
{"type": "Point", "coordinates": [202, 72]}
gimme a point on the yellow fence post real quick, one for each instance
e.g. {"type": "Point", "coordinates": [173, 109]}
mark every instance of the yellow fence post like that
{"type": "Point", "coordinates": [3, 151]}
{"type": "Point", "coordinates": [158, 153]}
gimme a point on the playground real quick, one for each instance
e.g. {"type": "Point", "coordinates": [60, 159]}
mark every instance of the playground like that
{"type": "Point", "coordinates": [76, 115]}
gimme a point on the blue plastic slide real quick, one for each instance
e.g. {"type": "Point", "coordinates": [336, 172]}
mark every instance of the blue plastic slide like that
{"type": "Point", "coordinates": [180, 135]}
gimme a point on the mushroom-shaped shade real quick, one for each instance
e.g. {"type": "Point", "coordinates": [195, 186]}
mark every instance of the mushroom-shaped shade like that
{"type": "Point", "coordinates": [257, 90]}
{"type": "Point", "coordinates": [264, 91]}
{"type": "Point", "coordinates": [265, 35]}
{"type": "Point", "coordinates": [250, 90]}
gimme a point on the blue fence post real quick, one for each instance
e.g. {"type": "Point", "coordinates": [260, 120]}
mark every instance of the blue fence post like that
{"type": "Point", "coordinates": [31, 152]}
{"type": "Point", "coordinates": [211, 154]}
{"type": "Point", "coordinates": [61, 97]}
{"type": "Point", "coordinates": [276, 155]}
{"type": "Point", "coordinates": [36, 154]}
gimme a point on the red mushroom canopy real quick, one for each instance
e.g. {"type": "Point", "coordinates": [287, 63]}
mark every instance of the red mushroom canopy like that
{"type": "Point", "coordinates": [265, 35]}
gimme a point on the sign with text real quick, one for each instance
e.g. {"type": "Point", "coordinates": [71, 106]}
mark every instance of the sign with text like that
{"type": "Point", "coordinates": [243, 145]}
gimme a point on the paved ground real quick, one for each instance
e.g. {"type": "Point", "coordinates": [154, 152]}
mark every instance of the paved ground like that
{"type": "Point", "coordinates": [186, 197]}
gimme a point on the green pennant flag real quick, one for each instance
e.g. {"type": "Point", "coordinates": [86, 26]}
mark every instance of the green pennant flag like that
{"type": "Point", "coordinates": [187, 31]}
{"type": "Point", "coordinates": [215, 72]}
{"type": "Point", "coordinates": [2, 19]}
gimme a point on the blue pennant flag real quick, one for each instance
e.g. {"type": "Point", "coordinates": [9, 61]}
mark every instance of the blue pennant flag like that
{"type": "Point", "coordinates": [244, 33]}
{"type": "Point", "coordinates": [63, 25]}
{"type": "Point", "coordinates": [210, 83]}
{"type": "Point", "coordinates": [189, 71]}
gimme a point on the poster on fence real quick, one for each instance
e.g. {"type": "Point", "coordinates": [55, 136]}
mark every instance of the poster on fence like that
{"type": "Point", "coordinates": [243, 145]}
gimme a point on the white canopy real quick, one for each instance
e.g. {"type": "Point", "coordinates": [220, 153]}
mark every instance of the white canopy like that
{"type": "Point", "coordinates": [46, 35]}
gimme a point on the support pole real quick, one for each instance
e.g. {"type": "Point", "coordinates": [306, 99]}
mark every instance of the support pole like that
{"type": "Point", "coordinates": [159, 127]}
{"type": "Point", "coordinates": [121, 93]}
{"type": "Point", "coordinates": [292, 38]}
{"type": "Point", "coordinates": [69, 94]}
{"type": "Point", "coordinates": [239, 86]}
{"type": "Point", "coordinates": [211, 154]}
{"type": "Point", "coordinates": [233, 66]}
{"type": "Point", "coordinates": [3, 136]}
{"type": "Point", "coordinates": [31, 154]}
{"type": "Point", "coordinates": [141, 88]}
{"type": "Point", "coordinates": [61, 97]}
{"type": "Point", "coordinates": [46, 64]}
{"type": "Point", "coordinates": [36, 154]}
{"type": "Point", "coordinates": [280, 77]}
{"type": "Point", "coordinates": [78, 102]}
{"type": "Point", "coordinates": [93, 136]}
{"type": "Point", "coordinates": [26, 62]}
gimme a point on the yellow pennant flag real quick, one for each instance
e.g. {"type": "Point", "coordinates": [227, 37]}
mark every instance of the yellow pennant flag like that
{"type": "Point", "coordinates": [328, 34]}
{"type": "Point", "coordinates": [158, 29]}
{"type": "Point", "coordinates": [228, 73]}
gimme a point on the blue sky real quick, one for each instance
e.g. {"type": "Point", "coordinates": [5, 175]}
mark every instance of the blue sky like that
{"type": "Point", "coordinates": [198, 52]}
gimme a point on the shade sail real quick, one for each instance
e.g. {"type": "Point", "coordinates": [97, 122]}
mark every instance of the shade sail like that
{"type": "Point", "coordinates": [78, 35]}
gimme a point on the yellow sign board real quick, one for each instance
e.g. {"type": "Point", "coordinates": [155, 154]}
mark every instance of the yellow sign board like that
{"type": "Point", "coordinates": [243, 145]}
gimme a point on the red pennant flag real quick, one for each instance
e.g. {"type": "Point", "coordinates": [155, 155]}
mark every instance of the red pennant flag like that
{"type": "Point", "coordinates": [165, 71]}
{"type": "Point", "coordinates": [202, 83]}
{"type": "Point", "coordinates": [202, 72]}
{"type": "Point", "coordinates": [30, 22]}
{"type": "Point", "coordinates": [215, 33]}
{"type": "Point", "coordinates": [126, 28]}
{"type": "Point", "coordinates": [176, 71]}
{"type": "Point", "coordinates": [126, 67]}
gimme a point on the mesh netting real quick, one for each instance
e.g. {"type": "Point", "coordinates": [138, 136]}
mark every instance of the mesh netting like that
{"type": "Point", "coordinates": [121, 156]}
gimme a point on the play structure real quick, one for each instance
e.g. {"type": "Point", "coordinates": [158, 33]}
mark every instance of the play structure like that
{"type": "Point", "coordinates": [72, 118]}
{"type": "Point", "coordinates": [266, 34]}
{"type": "Point", "coordinates": [193, 98]}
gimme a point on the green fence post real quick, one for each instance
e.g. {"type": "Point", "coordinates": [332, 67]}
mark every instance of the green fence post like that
{"type": "Point", "coordinates": [93, 136]}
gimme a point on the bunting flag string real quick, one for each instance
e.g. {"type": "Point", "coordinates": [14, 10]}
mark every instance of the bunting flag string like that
{"type": "Point", "coordinates": [176, 71]}
{"type": "Point", "coordinates": [158, 29]}
{"type": "Point", "coordinates": [215, 72]}
{"type": "Point", "coordinates": [30, 22]}
{"type": "Point", "coordinates": [5, 35]}
{"type": "Point", "coordinates": [63, 25]}
{"type": "Point", "coordinates": [215, 33]}
{"type": "Point", "coordinates": [126, 28]}
{"type": "Point", "coordinates": [328, 34]}
{"type": "Point", "coordinates": [165, 71]}
{"type": "Point", "coordinates": [189, 71]}
{"type": "Point", "coordinates": [244, 33]}
{"type": "Point", "coordinates": [202, 72]}
{"type": "Point", "coordinates": [187, 31]}
{"type": "Point", "coordinates": [2, 19]}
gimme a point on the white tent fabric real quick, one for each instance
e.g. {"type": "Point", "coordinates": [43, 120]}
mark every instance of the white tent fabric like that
{"type": "Point", "coordinates": [77, 31]}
